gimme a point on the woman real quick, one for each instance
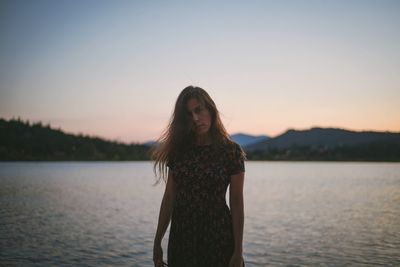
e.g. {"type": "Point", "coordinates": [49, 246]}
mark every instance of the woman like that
{"type": "Point", "coordinates": [202, 161]}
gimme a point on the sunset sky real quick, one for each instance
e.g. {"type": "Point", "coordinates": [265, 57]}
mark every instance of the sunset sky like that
{"type": "Point", "coordinates": [115, 68]}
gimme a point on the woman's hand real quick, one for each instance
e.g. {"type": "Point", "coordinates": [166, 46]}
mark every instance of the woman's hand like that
{"type": "Point", "coordinates": [158, 256]}
{"type": "Point", "coordinates": [236, 260]}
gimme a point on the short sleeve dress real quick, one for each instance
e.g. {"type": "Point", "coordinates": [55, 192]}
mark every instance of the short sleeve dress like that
{"type": "Point", "coordinates": [201, 232]}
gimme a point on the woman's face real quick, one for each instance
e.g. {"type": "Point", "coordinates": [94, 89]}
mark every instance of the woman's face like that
{"type": "Point", "coordinates": [199, 115]}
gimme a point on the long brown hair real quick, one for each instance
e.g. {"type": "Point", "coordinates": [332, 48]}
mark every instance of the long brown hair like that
{"type": "Point", "coordinates": [179, 136]}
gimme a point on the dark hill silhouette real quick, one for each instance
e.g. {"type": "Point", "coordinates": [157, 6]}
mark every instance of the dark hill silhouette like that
{"type": "Point", "coordinates": [328, 144]}
{"type": "Point", "coordinates": [246, 139]}
{"type": "Point", "coordinates": [22, 141]}
{"type": "Point", "coordinates": [325, 137]}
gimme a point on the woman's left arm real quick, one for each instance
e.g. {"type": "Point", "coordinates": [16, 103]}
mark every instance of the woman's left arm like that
{"type": "Point", "coordinates": [237, 210]}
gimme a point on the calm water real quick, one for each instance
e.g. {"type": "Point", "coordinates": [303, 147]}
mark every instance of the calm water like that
{"type": "Point", "coordinates": [105, 213]}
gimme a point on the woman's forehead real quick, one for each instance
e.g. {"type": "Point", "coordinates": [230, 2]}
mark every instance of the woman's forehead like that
{"type": "Point", "coordinates": [193, 103]}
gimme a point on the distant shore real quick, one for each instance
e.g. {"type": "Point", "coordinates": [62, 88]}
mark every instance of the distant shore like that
{"type": "Point", "coordinates": [22, 141]}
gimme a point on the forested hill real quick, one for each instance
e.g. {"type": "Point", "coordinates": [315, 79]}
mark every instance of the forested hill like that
{"type": "Point", "coordinates": [24, 141]}
{"type": "Point", "coordinates": [328, 144]}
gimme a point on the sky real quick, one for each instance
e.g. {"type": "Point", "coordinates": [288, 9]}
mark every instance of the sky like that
{"type": "Point", "coordinates": [114, 69]}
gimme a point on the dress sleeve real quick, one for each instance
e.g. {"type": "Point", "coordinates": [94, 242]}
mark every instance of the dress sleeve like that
{"type": "Point", "coordinates": [236, 160]}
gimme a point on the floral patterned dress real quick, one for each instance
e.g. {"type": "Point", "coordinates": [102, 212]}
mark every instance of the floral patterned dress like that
{"type": "Point", "coordinates": [201, 232]}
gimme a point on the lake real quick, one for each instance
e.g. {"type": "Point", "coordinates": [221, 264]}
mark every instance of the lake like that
{"type": "Point", "coordinates": [105, 213]}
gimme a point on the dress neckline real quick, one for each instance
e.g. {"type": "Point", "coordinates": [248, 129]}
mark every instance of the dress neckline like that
{"type": "Point", "coordinates": [203, 146]}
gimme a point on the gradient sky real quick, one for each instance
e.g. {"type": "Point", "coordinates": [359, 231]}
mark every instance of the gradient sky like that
{"type": "Point", "coordinates": [115, 68]}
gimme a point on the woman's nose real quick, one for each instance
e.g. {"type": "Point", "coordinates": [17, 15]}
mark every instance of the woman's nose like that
{"type": "Point", "coordinates": [195, 117]}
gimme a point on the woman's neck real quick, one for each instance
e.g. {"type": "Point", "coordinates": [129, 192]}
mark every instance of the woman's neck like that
{"type": "Point", "coordinates": [203, 140]}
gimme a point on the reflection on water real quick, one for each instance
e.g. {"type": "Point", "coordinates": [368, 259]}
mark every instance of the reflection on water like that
{"type": "Point", "coordinates": [105, 213]}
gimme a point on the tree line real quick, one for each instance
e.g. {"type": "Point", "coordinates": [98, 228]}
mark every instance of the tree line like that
{"type": "Point", "coordinates": [25, 141]}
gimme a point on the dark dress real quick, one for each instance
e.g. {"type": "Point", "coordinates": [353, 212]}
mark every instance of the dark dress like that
{"type": "Point", "coordinates": [201, 233]}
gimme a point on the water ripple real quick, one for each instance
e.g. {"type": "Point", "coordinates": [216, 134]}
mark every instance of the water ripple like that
{"type": "Point", "coordinates": [105, 214]}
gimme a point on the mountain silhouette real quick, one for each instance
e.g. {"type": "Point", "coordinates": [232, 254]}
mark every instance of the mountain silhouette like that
{"type": "Point", "coordinates": [245, 140]}
{"type": "Point", "coordinates": [23, 141]}
{"type": "Point", "coordinates": [324, 137]}
{"type": "Point", "coordinates": [328, 144]}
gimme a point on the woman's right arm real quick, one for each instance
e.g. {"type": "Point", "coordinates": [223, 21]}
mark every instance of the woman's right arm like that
{"type": "Point", "coordinates": [164, 218]}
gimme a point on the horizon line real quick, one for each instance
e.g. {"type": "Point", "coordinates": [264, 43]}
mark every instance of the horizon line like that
{"type": "Point", "coordinates": [116, 140]}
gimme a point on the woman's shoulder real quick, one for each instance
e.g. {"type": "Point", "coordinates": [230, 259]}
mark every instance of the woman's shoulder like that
{"type": "Point", "coordinates": [230, 144]}
{"type": "Point", "coordinates": [234, 157]}
{"type": "Point", "coordinates": [231, 147]}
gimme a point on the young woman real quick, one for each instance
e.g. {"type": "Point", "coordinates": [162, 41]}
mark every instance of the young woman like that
{"type": "Point", "coordinates": [198, 161]}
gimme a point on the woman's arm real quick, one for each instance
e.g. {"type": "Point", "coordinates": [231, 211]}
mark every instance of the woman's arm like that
{"type": "Point", "coordinates": [237, 210]}
{"type": "Point", "coordinates": [164, 218]}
